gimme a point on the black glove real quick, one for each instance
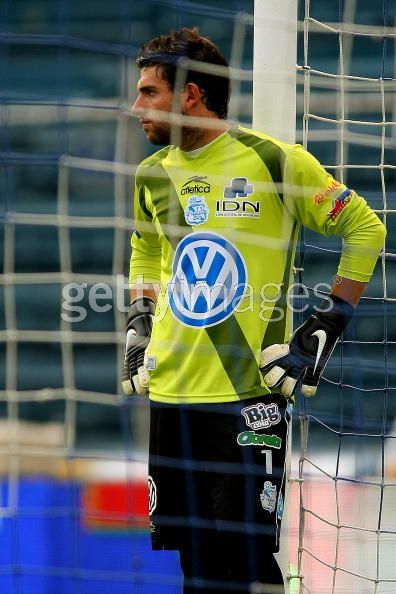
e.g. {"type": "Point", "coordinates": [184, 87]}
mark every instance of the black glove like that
{"type": "Point", "coordinates": [310, 347]}
{"type": "Point", "coordinates": [135, 377]}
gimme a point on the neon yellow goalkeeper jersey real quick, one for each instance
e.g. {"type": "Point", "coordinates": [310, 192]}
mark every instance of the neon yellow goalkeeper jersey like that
{"type": "Point", "coordinates": [217, 228]}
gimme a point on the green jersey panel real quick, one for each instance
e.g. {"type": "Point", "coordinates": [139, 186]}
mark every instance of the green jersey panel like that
{"type": "Point", "coordinates": [218, 228]}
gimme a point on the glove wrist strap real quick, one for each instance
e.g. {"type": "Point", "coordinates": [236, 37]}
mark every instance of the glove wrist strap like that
{"type": "Point", "coordinates": [141, 306]}
{"type": "Point", "coordinates": [335, 310]}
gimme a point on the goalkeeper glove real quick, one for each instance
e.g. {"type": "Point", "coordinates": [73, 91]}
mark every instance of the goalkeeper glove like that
{"type": "Point", "coordinates": [306, 356]}
{"type": "Point", "coordinates": [135, 377]}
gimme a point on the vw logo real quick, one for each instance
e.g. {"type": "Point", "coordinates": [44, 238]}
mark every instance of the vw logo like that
{"type": "Point", "coordinates": [209, 280]}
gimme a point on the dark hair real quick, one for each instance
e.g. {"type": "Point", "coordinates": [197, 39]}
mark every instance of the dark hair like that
{"type": "Point", "coordinates": [168, 50]}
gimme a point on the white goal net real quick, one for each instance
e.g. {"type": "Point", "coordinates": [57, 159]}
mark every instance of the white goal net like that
{"type": "Point", "coordinates": [73, 449]}
{"type": "Point", "coordinates": [347, 535]}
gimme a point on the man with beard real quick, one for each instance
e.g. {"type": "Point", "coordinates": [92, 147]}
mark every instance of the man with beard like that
{"type": "Point", "coordinates": [216, 220]}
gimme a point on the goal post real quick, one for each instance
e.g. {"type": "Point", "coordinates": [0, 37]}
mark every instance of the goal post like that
{"type": "Point", "coordinates": [274, 68]}
{"type": "Point", "coordinates": [274, 112]}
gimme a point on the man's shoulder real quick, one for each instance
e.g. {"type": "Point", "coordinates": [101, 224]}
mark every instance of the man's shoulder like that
{"type": "Point", "coordinates": [256, 139]}
{"type": "Point", "coordinates": [152, 161]}
{"type": "Point", "coordinates": [270, 148]}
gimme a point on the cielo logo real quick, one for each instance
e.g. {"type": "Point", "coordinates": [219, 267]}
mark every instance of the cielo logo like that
{"type": "Point", "coordinates": [209, 280]}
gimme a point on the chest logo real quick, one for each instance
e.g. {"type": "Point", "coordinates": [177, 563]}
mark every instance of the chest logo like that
{"type": "Point", "coordinates": [196, 185]}
{"type": "Point", "coordinates": [236, 201]}
{"type": "Point", "coordinates": [196, 211]}
{"type": "Point", "coordinates": [209, 280]}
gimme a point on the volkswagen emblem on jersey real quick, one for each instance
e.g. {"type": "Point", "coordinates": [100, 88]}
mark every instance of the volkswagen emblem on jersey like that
{"type": "Point", "coordinates": [209, 280]}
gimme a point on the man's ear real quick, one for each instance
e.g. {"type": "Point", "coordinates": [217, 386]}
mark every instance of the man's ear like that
{"type": "Point", "coordinates": [191, 96]}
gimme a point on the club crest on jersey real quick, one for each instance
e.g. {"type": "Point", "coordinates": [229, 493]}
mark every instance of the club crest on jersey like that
{"type": "Point", "coordinates": [209, 279]}
{"type": "Point", "coordinates": [268, 497]}
{"type": "Point", "coordinates": [261, 416]}
{"type": "Point", "coordinates": [196, 211]}
{"type": "Point", "coordinates": [235, 201]}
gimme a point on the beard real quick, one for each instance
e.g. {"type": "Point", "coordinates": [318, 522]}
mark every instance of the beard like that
{"type": "Point", "coordinates": [159, 133]}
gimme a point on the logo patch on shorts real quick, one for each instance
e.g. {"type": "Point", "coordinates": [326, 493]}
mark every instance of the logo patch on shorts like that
{"type": "Point", "coordinates": [152, 488]}
{"type": "Point", "coordinates": [247, 438]}
{"type": "Point", "coordinates": [268, 497]}
{"type": "Point", "coordinates": [261, 416]}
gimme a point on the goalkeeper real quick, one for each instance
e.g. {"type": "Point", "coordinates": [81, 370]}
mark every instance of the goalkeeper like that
{"type": "Point", "coordinates": [216, 221]}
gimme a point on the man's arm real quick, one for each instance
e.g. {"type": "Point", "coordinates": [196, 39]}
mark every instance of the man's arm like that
{"type": "Point", "coordinates": [312, 344]}
{"type": "Point", "coordinates": [149, 290]}
{"type": "Point", "coordinates": [349, 290]}
{"type": "Point", "coordinates": [320, 203]}
{"type": "Point", "coordinates": [143, 297]}
{"type": "Point", "coordinates": [144, 278]}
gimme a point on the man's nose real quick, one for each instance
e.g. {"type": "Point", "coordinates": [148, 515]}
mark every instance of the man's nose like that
{"type": "Point", "coordinates": [137, 106]}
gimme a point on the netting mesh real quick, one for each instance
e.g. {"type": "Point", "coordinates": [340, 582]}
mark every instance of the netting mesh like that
{"type": "Point", "coordinates": [73, 450]}
{"type": "Point", "coordinates": [347, 488]}
{"type": "Point", "coordinates": [73, 460]}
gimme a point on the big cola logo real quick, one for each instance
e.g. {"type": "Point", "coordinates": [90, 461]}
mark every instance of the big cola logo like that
{"type": "Point", "coordinates": [261, 416]}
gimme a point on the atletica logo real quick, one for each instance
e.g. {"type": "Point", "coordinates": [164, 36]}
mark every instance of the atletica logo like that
{"type": "Point", "coordinates": [196, 185]}
{"type": "Point", "coordinates": [247, 438]}
{"type": "Point", "coordinates": [209, 280]}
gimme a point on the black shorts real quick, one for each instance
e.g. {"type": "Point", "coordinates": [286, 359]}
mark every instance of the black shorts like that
{"type": "Point", "coordinates": [219, 470]}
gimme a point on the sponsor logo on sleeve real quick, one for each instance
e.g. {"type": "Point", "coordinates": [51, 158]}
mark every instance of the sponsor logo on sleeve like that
{"type": "Point", "coordinates": [331, 188]}
{"type": "Point", "coordinates": [340, 203]}
{"type": "Point", "coordinates": [268, 497]}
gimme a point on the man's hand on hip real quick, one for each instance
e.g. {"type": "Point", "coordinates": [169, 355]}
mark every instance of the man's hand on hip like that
{"type": "Point", "coordinates": [310, 347]}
